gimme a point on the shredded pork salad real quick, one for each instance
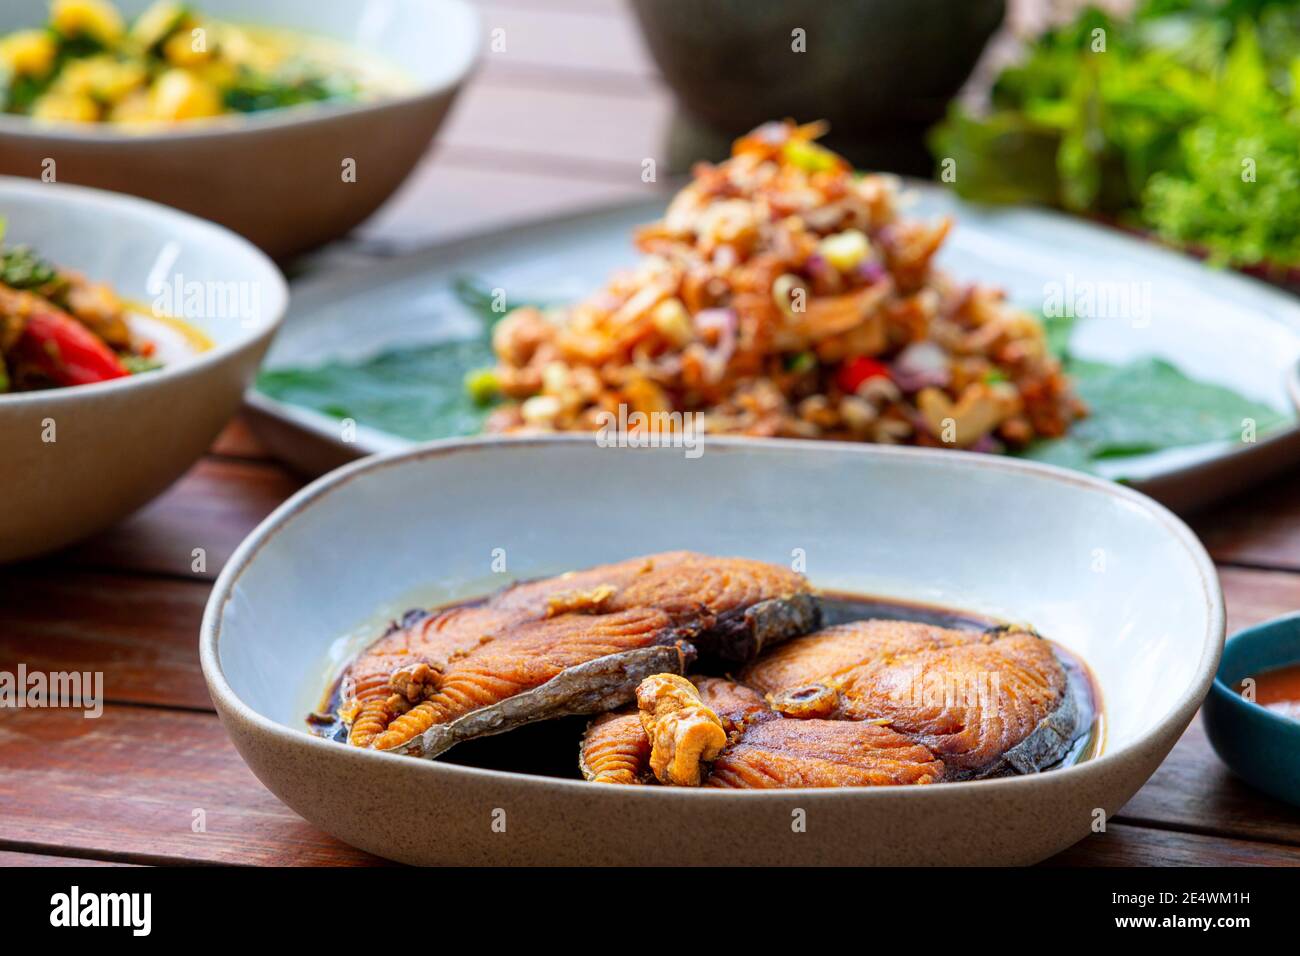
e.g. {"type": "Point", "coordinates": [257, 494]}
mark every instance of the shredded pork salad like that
{"type": "Point", "coordinates": [783, 295]}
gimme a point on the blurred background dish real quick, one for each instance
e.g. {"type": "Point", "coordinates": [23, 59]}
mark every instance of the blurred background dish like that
{"type": "Point", "coordinates": [880, 71]}
{"type": "Point", "coordinates": [389, 350]}
{"type": "Point", "coordinates": [287, 178]}
{"type": "Point", "coordinates": [1174, 118]}
{"type": "Point", "coordinates": [78, 458]}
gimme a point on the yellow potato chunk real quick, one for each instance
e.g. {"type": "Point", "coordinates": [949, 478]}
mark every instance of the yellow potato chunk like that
{"type": "Point", "coordinates": [65, 108]}
{"type": "Point", "coordinates": [157, 23]}
{"type": "Point", "coordinates": [103, 78]}
{"type": "Point", "coordinates": [187, 48]}
{"type": "Point", "coordinates": [93, 18]}
{"type": "Point", "coordinates": [135, 109]}
{"type": "Point", "coordinates": [28, 52]}
{"type": "Point", "coordinates": [180, 95]}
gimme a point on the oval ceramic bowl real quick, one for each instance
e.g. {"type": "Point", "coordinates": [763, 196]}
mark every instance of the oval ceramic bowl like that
{"type": "Point", "coordinates": [1101, 569]}
{"type": "Point", "coordinates": [1261, 747]}
{"type": "Point", "coordinates": [274, 177]}
{"type": "Point", "coordinates": [75, 460]}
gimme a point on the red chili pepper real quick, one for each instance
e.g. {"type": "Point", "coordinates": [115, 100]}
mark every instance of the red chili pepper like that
{"type": "Point", "coordinates": [857, 370]}
{"type": "Point", "coordinates": [66, 351]}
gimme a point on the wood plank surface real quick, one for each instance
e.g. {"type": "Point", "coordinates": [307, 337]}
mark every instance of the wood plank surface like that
{"type": "Point", "coordinates": [552, 44]}
{"type": "Point", "coordinates": [10, 858]}
{"type": "Point", "coordinates": [1123, 845]}
{"type": "Point", "coordinates": [212, 508]}
{"type": "Point", "coordinates": [1259, 527]}
{"type": "Point", "coordinates": [593, 134]}
{"type": "Point", "coordinates": [140, 634]}
{"type": "Point", "coordinates": [127, 787]}
{"type": "Point", "coordinates": [455, 185]}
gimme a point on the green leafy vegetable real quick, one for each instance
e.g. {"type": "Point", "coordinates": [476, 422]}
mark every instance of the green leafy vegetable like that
{"type": "Point", "coordinates": [136, 364]}
{"type": "Point", "coordinates": [1184, 119]}
{"type": "Point", "coordinates": [433, 391]}
{"type": "Point", "coordinates": [1144, 406]}
{"type": "Point", "coordinates": [416, 393]}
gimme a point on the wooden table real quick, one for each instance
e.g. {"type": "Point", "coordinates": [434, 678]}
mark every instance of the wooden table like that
{"type": "Point", "coordinates": [563, 119]}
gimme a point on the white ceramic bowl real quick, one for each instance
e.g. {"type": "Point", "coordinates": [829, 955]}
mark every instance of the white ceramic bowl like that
{"type": "Point", "coordinates": [118, 444]}
{"type": "Point", "coordinates": [1099, 568]}
{"type": "Point", "coordinates": [275, 177]}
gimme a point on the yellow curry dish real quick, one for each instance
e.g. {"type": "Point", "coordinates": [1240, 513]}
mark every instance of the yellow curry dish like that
{"type": "Point", "coordinates": [173, 63]}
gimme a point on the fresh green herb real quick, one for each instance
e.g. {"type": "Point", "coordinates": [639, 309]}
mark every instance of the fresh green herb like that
{"type": "Point", "coordinates": [800, 362]}
{"type": "Point", "coordinates": [138, 364]}
{"type": "Point", "coordinates": [18, 93]}
{"type": "Point", "coordinates": [292, 86]}
{"type": "Point", "coordinates": [21, 268]}
{"type": "Point", "coordinates": [1183, 119]}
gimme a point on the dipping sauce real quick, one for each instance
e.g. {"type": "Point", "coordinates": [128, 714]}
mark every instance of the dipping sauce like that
{"type": "Point", "coordinates": [1278, 690]}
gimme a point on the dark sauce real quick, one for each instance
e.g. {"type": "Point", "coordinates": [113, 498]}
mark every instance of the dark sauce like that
{"type": "Point", "coordinates": [549, 748]}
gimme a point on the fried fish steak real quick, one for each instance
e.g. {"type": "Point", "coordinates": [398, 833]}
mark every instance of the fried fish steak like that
{"type": "Point", "coordinates": [576, 643]}
{"type": "Point", "coordinates": [675, 738]}
{"type": "Point", "coordinates": [615, 749]}
{"type": "Point", "coordinates": [787, 753]}
{"type": "Point", "coordinates": [988, 703]}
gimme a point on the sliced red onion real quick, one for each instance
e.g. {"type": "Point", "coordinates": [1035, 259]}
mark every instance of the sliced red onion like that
{"type": "Point", "coordinates": [921, 365]}
{"type": "Point", "coordinates": [817, 267]}
{"type": "Point", "coordinates": [725, 322]}
{"type": "Point", "coordinates": [870, 271]}
{"type": "Point", "coordinates": [987, 444]}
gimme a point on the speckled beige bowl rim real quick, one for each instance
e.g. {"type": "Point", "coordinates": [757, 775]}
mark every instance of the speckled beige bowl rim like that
{"type": "Point", "coordinates": [226, 700]}
{"type": "Point", "coordinates": [91, 201]}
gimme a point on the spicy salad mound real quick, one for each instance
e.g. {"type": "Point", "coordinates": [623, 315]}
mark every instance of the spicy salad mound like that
{"type": "Point", "coordinates": [783, 294]}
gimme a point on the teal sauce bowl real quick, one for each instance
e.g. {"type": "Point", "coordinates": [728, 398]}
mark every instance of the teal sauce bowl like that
{"type": "Point", "coordinates": [1260, 746]}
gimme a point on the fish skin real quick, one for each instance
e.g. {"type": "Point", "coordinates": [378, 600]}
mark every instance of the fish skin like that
{"type": "Point", "coordinates": [728, 609]}
{"type": "Point", "coordinates": [526, 658]}
{"type": "Point", "coordinates": [593, 686]}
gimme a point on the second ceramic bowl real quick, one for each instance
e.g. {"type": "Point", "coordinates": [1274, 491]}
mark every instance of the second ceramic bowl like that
{"type": "Point", "coordinates": [75, 460]}
{"type": "Point", "coordinates": [275, 177]}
